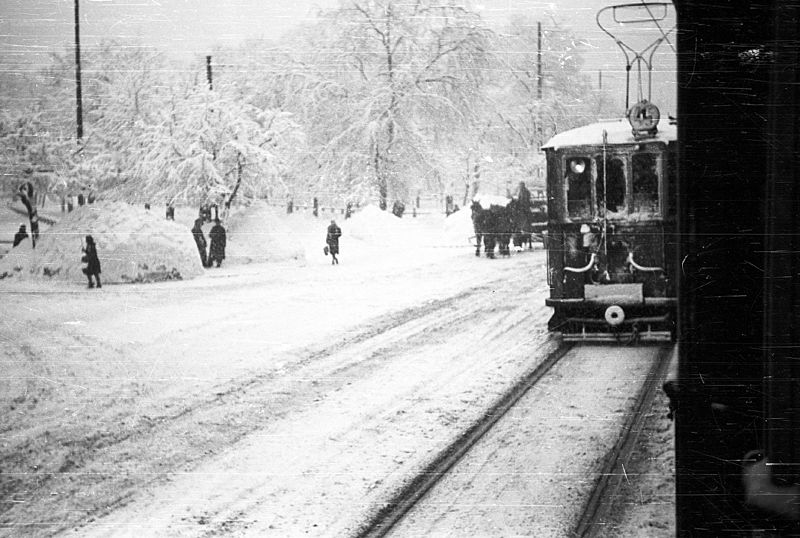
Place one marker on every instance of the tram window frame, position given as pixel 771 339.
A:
pixel 622 205
pixel 653 208
pixel 584 210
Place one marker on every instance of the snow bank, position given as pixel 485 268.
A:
pixel 457 229
pixel 134 245
pixel 372 225
pixel 257 233
pixel 488 200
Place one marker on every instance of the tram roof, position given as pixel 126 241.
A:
pixel 619 132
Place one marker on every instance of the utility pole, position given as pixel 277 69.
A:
pixel 208 72
pixel 600 79
pixel 539 61
pixel 78 97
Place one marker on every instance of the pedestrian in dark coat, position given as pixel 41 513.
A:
pixel 216 252
pixel 20 236
pixel 524 197
pixel 200 240
pixel 92 262
pixel 332 239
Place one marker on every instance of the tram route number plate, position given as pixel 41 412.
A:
pixel 620 294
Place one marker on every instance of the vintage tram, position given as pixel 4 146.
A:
pixel 610 234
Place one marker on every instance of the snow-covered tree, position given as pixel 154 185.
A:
pixel 205 147
pixel 389 76
pixel 528 109
pixel 37 128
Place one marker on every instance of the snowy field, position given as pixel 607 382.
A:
pixel 277 395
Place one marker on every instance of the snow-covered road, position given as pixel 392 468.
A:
pixel 313 388
pixel 532 474
pixel 348 423
pixel 269 399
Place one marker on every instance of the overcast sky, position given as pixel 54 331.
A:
pixel 31 29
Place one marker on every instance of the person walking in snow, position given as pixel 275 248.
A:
pixel 216 252
pixel 92 262
pixel 200 240
pixel 20 236
pixel 332 239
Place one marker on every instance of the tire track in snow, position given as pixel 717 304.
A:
pixel 223 512
pixel 218 413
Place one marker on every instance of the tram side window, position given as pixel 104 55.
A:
pixel 611 194
pixel 645 184
pixel 579 188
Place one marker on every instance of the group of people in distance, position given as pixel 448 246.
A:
pixel 214 255
pixel 218 237
pixel 92 263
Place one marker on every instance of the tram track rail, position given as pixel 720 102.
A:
pixel 612 471
pixel 385 519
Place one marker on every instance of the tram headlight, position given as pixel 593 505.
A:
pixel 615 315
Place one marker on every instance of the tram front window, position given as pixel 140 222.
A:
pixel 579 188
pixel 645 184
pixel 611 193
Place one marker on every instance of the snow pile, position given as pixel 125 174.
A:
pixel 257 233
pixel 457 228
pixel 372 225
pixel 488 200
pixel 134 245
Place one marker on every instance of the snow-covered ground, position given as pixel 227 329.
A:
pixel 283 397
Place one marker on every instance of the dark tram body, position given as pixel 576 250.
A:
pixel 610 237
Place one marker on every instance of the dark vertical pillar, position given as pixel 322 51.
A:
pixel 78 96
pixel 723 148
pixel 782 252
pixel 539 60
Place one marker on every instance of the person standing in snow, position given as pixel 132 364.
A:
pixel 200 240
pixel 20 236
pixel 332 239
pixel 524 196
pixel 92 262
pixel 216 252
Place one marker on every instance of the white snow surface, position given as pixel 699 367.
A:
pixel 257 234
pixel 286 398
pixel 373 225
pixel 619 132
pixel 133 245
pixel 138 245
pixel 488 200
pixel 458 228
